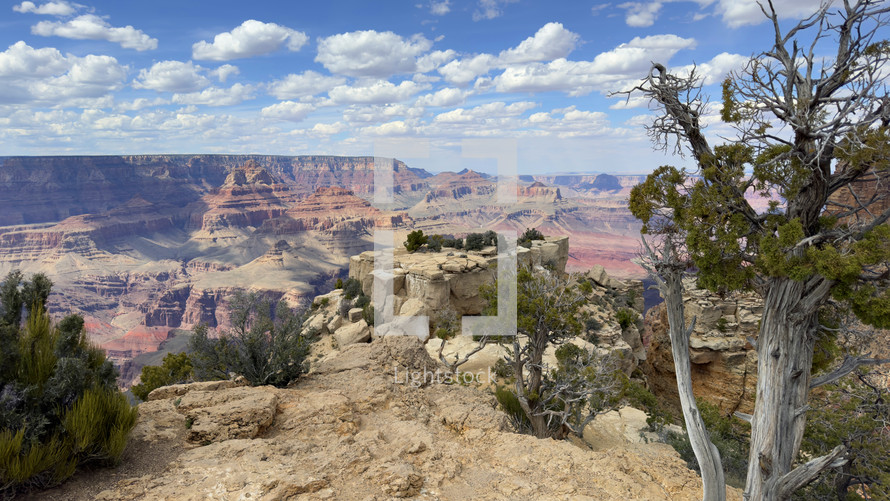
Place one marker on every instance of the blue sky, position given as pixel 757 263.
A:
pixel 292 78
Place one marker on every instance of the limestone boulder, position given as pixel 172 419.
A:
pixel 352 333
pixel 214 416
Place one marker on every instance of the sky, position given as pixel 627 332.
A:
pixel 344 77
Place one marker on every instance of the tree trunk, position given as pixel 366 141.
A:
pixel 707 455
pixel 785 355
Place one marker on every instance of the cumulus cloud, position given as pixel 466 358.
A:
pixel 550 42
pixel 448 96
pixel 291 111
pixel 440 8
pixel 92 27
pixel 715 70
pixel 381 113
pixel 371 53
pixel 498 109
pixel 46 76
pixel 374 92
pixel 641 15
pixel 172 76
pixel 490 9
pixel 224 72
pixel 49 8
pixel 306 84
pixel 215 96
pixel 252 38
pixel 607 71
pixel 736 13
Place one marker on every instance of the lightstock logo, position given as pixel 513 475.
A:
pixel 385 320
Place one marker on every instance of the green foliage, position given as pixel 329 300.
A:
pixel 339 284
pixel 474 242
pixel 636 395
pixel 324 302
pixel 416 240
pixel 530 234
pixel 722 324
pixel 729 434
pixel 626 317
pixel 351 288
pixel 362 302
pixel 435 242
pixel 490 238
pixel 853 412
pixel 368 313
pixel 509 403
pixel 175 368
pixel 59 403
pixel 263 348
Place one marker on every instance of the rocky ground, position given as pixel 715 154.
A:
pixel 349 430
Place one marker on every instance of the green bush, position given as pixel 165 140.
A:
pixel 368 313
pixel 475 242
pixel 59 402
pixel 262 347
pixel 339 284
pixel 435 243
pixel 175 368
pixel 416 240
pixel 626 317
pixel 351 288
pixel 361 302
pixel 490 238
pixel 530 234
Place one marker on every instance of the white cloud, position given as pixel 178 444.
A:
pixel 448 96
pixel 570 122
pixel 434 60
pixel 440 8
pixel 551 41
pixel 395 128
pixel 49 8
pixel 374 92
pixel 172 76
pixel 215 96
pixel 224 72
pixel 381 113
pixel 328 129
pixel 139 104
pixel 308 83
pixel 92 27
pixel 371 53
pixel 485 111
pixel 736 13
pixel 490 9
pixel 717 69
pixel 641 15
pixel 252 38
pixel 608 70
pixel 45 76
pixel 288 110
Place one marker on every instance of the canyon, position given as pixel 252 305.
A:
pixel 142 245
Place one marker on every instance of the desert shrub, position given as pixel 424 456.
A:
pixel 530 234
pixel 446 323
pixel 262 347
pixel 722 324
pixel 345 306
pixel 59 402
pixel 511 406
pixel 502 369
pixel 351 288
pixel 175 368
pixel 416 240
pixel 636 395
pixel 325 301
pixel 489 238
pixel 626 317
pixel 362 301
pixel 435 242
pixel 339 284
pixel 474 241
pixel 368 313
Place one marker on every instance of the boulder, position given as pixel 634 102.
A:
pixel 243 412
pixel 357 332
pixel 355 314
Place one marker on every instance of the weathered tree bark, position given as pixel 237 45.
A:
pixel 784 359
pixel 667 272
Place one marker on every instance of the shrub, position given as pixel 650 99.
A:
pixel 362 301
pixel 339 284
pixel 626 317
pixel 435 242
pixel 351 288
pixel 490 238
pixel 722 324
pixel 59 403
pixel 368 313
pixel 474 242
pixel 530 234
pixel 416 240
pixel 175 368
pixel 262 347
pixel 345 306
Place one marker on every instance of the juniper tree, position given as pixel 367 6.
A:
pixel 809 129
